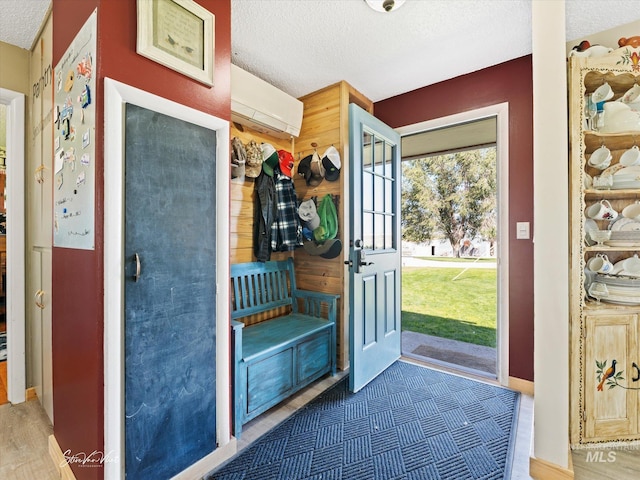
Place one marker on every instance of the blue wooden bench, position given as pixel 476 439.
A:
pixel 277 357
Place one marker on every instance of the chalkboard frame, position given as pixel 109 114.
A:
pixel 117 94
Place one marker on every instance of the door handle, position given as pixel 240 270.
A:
pixel 136 258
pixel 39 174
pixel 38 299
pixel 361 260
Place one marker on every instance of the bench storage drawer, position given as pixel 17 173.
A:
pixel 313 357
pixel 269 380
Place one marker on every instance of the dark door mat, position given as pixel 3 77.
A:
pixel 457 358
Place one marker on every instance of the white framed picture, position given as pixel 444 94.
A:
pixel 178 34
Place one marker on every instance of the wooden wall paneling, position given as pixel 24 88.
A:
pixel 326 123
pixel 320 129
pixel 242 198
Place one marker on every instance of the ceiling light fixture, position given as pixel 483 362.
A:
pixel 385 5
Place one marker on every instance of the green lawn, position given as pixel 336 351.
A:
pixel 464 309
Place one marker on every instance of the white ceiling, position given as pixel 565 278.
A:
pixel 303 45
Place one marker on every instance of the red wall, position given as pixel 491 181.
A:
pixel 508 82
pixel 78 304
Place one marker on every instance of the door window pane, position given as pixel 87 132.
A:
pixel 378 194
pixel 379 232
pixel 367 230
pixel 379 157
pixel 388 196
pixel 388 231
pixel 367 152
pixel 367 191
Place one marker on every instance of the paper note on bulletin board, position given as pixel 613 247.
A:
pixel 74 142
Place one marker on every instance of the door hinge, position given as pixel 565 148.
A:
pixel 584 415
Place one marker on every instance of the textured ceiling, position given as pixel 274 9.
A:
pixel 20 21
pixel 303 45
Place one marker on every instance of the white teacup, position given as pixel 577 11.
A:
pixel 632 95
pixel 602 211
pixel 600 264
pixel 600 158
pixel 603 93
pixel 630 157
pixel 632 210
pixel 598 51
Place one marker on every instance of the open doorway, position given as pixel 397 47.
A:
pixel 455 284
pixel 13 267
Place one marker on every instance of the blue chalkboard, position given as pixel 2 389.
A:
pixel 170 218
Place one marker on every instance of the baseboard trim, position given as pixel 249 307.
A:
pixel 31 394
pixel 208 463
pixel 543 470
pixel 522 386
pixel 60 462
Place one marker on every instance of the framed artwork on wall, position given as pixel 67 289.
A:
pixel 178 34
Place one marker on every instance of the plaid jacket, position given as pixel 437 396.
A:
pixel 286 230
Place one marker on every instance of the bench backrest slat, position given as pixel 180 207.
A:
pixel 259 287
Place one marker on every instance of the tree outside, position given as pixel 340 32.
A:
pixel 451 196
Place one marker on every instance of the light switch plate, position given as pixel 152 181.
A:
pixel 522 230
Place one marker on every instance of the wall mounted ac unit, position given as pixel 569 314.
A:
pixel 263 107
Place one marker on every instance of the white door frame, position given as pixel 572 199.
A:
pixel 116 96
pixel 501 112
pixel 16 358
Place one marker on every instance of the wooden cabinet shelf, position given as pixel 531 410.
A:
pixel 622 194
pixel 602 409
pixel 606 248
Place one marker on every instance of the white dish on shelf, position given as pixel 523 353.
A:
pixel 612 169
pixel 617 268
pixel 627 185
pixel 626 236
pixel 633 171
pixel 621 300
pixel 632 226
pixel 621 222
pixel 622 243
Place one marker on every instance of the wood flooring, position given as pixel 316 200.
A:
pixel 24 449
pixel 4 386
pixel 3 370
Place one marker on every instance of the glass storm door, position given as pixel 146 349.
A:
pixel 375 254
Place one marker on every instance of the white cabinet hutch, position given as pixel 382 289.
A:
pixel 602 332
